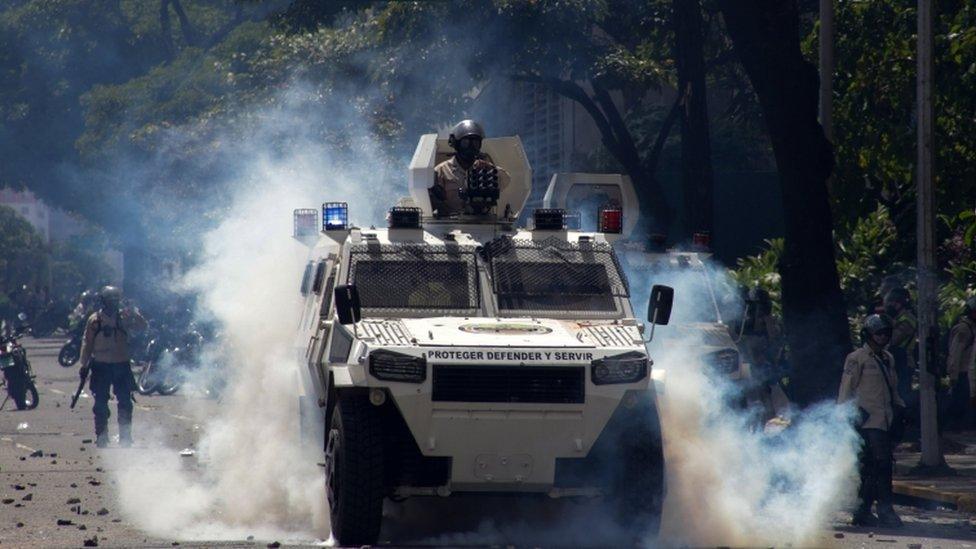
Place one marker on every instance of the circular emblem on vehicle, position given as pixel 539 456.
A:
pixel 505 328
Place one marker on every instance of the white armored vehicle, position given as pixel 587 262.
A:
pixel 462 355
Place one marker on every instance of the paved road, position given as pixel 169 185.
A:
pixel 66 496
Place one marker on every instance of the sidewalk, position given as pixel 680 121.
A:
pixel 958 490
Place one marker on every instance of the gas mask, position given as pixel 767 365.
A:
pixel 468 148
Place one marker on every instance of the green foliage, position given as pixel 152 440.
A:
pixel 958 253
pixel 22 251
pixel 875 105
pixel 864 258
pixel 762 271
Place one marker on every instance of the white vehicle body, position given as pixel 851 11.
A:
pixel 508 389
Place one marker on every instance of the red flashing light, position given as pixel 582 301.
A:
pixel 701 241
pixel 611 220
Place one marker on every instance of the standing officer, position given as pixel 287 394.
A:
pixel 869 381
pixel 106 345
pixel 960 365
pixel 904 333
pixel 451 176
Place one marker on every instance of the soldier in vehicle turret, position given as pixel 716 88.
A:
pixel 447 195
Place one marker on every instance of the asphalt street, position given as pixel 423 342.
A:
pixel 58 489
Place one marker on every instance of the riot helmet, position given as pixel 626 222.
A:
pixel 896 300
pixel 760 299
pixel 876 325
pixel 111 297
pixel 466 139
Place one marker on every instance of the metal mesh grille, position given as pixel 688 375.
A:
pixel 553 274
pixel 414 276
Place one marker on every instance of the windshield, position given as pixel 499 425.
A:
pixel 427 277
pixel 554 275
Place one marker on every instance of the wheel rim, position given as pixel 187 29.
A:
pixel 331 472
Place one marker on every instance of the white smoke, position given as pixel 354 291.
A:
pixel 729 481
pixel 255 477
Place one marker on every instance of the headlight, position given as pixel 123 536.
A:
pixel 625 368
pixel 390 366
pixel 725 361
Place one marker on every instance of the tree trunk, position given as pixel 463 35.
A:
pixel 697 182
pixel 766 36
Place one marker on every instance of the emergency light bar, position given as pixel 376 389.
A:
pixel 610 220
pixel 305 224
pixel 549 219
pixel 404 217
pixel 335 216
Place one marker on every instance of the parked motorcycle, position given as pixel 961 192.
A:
pixel 17 372
pixel 71 350
pixel 169 362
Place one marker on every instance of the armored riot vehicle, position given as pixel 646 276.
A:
pixel 465 355
pixel 701 321
pixel 707 326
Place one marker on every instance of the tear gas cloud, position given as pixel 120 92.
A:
pixel 257 478
pixel 729 481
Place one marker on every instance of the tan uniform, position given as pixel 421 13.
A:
pixel 864 382
pixel 962 352
pixel 104 341
pixel 451 177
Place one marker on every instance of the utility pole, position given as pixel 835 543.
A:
pixel 931 451
pixel 827 68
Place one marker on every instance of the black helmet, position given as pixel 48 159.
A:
pixel 898 295
pixel 466 139
pixel 875 324
pixel 465 128
pixel 758 295
pixel 111 296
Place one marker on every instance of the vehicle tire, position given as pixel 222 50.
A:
pixel 147 382
pixel 169 384
pixel 31 398
pixel 69 354
pixel 354 472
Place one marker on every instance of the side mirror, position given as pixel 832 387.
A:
pixel 347 304
pixel 659 308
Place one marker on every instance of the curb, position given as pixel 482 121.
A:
pixel 962 500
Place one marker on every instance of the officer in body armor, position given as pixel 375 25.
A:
pixel 105 351
pixel 448 194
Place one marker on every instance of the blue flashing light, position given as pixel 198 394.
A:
pixel 335 216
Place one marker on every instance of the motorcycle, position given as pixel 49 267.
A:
pixel 168 363
pixel 71 350
pixel 17 372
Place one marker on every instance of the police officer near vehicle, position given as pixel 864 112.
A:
pixel 869 380
pixel 897 304
pixel 961 367
pixel 760 343
pixel 451 176
pixel 105 351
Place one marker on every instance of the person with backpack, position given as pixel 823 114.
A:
pixel 869 380
pixel 960 365
pixel 105 352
